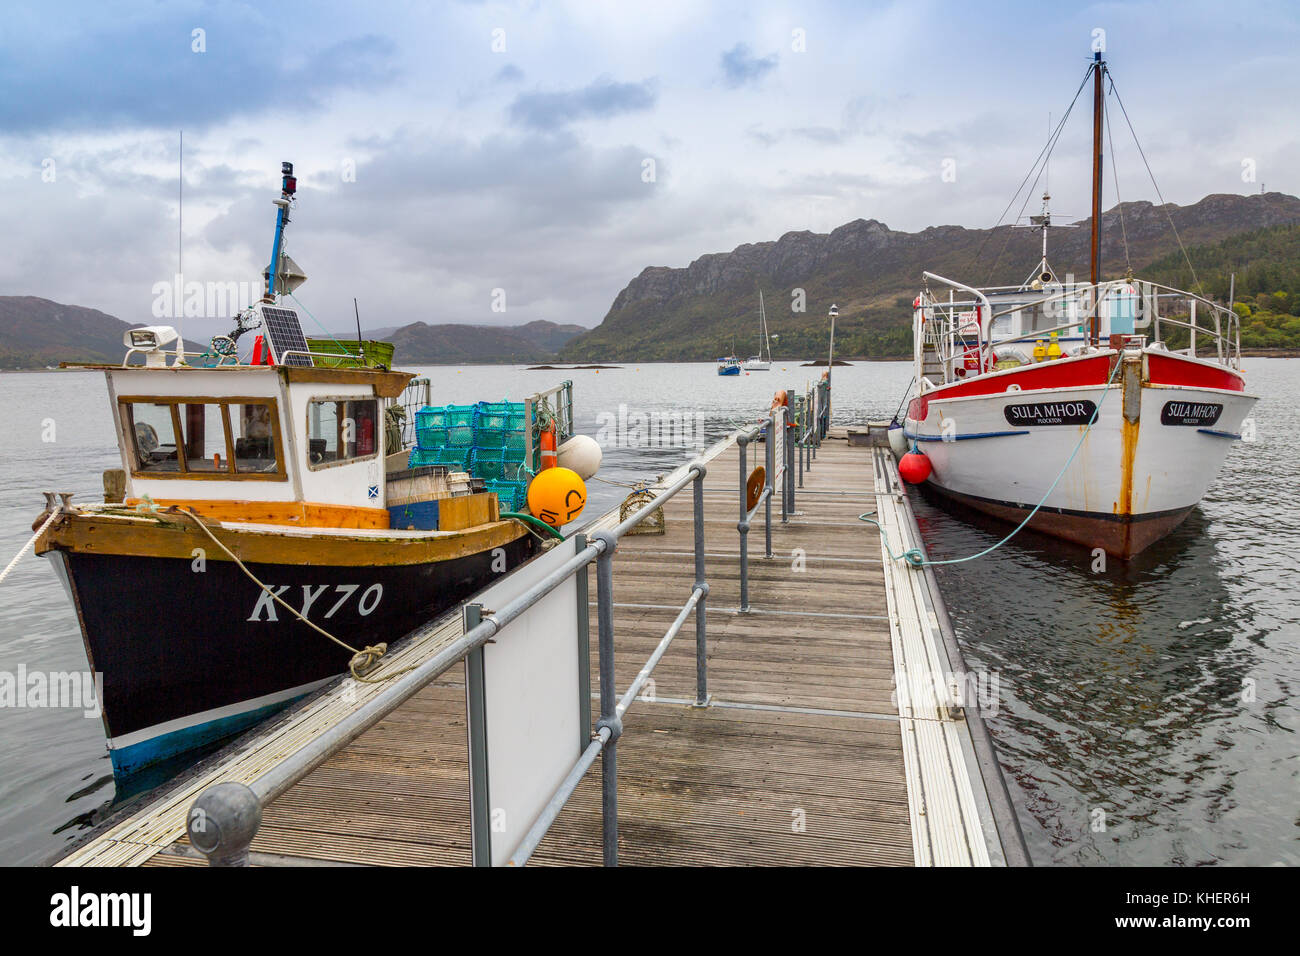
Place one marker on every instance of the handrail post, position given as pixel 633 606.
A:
pixel 799 445
pixel 784 432
pixel 786 429
pixel 702 585
pixel 742 526
pixel 608 697
pixel 769 453
pixel 222 823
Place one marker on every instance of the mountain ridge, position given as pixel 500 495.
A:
pixel 871 273
pixel 36 332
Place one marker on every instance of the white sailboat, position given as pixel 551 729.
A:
pixel 757 363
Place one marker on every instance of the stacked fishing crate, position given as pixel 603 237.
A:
pixel 489 440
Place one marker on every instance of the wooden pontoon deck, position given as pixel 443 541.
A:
pixel 805 757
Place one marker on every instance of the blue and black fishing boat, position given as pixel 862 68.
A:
pixel 246 552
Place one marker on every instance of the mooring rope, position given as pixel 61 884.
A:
pixel 916 559
pixel 30 542
pixel 361 659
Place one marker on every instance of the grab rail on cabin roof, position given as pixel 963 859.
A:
pixel 941 322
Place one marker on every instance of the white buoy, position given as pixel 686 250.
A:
pixel 897 442
pixel 582 454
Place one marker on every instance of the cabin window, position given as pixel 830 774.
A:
pixel 153 437
pixel 203 436
pixel 341 430
pixel 253 430
pixel 232 438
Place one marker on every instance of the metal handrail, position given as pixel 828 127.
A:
pixel 224 818
pixel 943 325
pixel 771 472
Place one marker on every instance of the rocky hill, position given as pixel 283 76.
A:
pixel 872 273
pixel 421 343
pixel 36 332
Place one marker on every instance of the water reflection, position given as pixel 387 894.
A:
pixel 1117 685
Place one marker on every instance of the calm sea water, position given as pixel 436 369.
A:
pixel 1154 698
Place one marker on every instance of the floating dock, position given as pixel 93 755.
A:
pixel 839 731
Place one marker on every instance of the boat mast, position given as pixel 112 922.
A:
pixel 288 187
pixel 1098 68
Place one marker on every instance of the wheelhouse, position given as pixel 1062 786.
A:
pixel 305 439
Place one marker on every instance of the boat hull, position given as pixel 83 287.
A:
pixel 1149 457
pixel 188 657
pixel 1120 535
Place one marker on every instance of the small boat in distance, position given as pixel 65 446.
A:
pixel 756 363
pixel 729 365
pixel 1099 412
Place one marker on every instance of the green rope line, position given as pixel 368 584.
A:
pixel 916 559
pixel 528 520
pixel 328 333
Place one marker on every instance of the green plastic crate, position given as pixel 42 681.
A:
pixel 500 425
pixel 436 436
pixel 377 353
pixel 445 416
pixel 452 457
pixel 512 495
pixel 497 464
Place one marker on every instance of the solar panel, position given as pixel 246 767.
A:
pixel 285 334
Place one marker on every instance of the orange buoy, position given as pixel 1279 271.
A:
pixel 557 496
pixel 914 468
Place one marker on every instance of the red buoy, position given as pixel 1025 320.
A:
pixel 914 468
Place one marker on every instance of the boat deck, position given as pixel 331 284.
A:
pixel 806 755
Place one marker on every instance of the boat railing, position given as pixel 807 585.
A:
pixel 418 394
pixel 951 331
pixel 1224 338
pixel 557 402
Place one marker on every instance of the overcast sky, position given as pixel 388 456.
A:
pixel 508 145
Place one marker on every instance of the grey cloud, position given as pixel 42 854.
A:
pixel 762 136
pixel 741 67
pixel 820 134
pixel 600 99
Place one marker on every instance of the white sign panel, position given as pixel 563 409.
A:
pixel 532 681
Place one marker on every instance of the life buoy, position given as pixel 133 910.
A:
pixel 550 457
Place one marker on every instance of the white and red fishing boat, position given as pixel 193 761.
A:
pixel 1102 411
